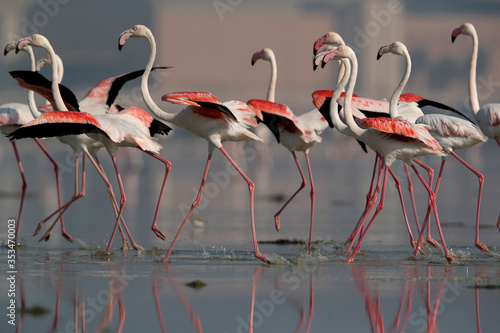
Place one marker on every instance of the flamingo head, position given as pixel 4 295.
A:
pixel 329 53
pixel 330 38
pixel 397 48
pixel 11 46
pixel 35 40
pixel 138 30
pixel 264 54
pixel 465 29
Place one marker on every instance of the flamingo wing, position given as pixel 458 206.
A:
pixel 276 116
pixel 206 103
pixel 106 91
pixel 155 126
pixel 42 86
pixel 435 107
pixel 58 123
pixel 403 130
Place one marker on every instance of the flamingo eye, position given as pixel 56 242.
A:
pixel 339 48
pixel 393 44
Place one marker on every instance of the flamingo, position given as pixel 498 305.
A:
pixel 295 133
pixel 394 138
pixel 99 99
pixel 487 116
pixel 319 98
pixel 205 116
pixel 79 143
pixel 452 133
pixel 12 116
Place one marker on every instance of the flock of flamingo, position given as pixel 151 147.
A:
pixel 405 128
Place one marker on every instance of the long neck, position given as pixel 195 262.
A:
pixel 55 78
pixel 393 104
pixel 348 97
pixel 474 101
pixel 334 105
pixel 272 82
pixel 31 93
pixel 155 109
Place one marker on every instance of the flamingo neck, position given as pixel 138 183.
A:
pixel 334 105
pixel 155 109
pixel 348 97
pixel 272 82
pixel 31 94
pixel 60 106
pixel 474 101
pixel 393 104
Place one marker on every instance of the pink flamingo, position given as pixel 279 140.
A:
pixel 14 115
pixel 319 98
pixel 206 117
pixel 82 143
pixel 452 133
pixel 295 133
pixel 487 116
pixel 99 99
pixel 393 137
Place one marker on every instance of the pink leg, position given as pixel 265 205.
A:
pixel 410 189
pixel 302 185
pixel 377 211
pixel 168 165
pixel 370 199
pixel 398 187
pixel 251 187
pixel 23 188
pixel 56 171
pixel 478 243
pixel 432 197
pixel 370 203
pixel 379 208
pixel 63 208
pixel 195 204
pixel 125 245
pixel 122 202
pixel 312 200
pixel 429 170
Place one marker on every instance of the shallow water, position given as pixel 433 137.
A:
pixel 58 283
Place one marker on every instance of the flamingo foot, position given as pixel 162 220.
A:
pixel 137 247
pixel 158 233
pixel 482 247
pixel 277 222
pixel 67 236
pixel 350 260
pixel 450 259
pixel 45 237
pixel 262 257
pixel 38 228
pixel 433 242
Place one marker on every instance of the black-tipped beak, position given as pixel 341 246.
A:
pixel 453 39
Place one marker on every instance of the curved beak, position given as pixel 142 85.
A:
pixel 383 50
pixel 455 34
pixel 256 56
pixel 318 44
pixel 123 38
pixel 328 55
pixel 22 43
